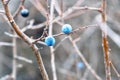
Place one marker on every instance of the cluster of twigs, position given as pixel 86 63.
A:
pixel 17 32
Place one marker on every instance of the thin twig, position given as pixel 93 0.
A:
pixel 51 16
pixel 6 44
pixel 40 38
pixel 32 40
pixel 60 43
pixel 31 22
pixel 84 60
pixel 14 70
pixel 68 12
pixel 76 30
pixel 53 63
pixel 27 40
pixel 87 8
pixel 52 6
pixel 19 8
pixel 10 35
pixel 24 59
pixel 116 72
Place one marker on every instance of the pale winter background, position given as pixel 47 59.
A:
pixel 66 58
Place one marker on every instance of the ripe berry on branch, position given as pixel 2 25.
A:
pixel 24 12
pixel 67 28
pixel 50 41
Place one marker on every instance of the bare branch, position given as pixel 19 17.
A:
pixel 105 40
pixel 24 59
pixel 14 65
pixel 87 8
pixel 52 6
pixel 27 40
pixel 6 44
pixel 114 69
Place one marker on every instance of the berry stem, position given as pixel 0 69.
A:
pixel 19 8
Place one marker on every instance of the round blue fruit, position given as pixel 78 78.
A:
pixel 50 41
pixel 67 28
pixel 25 12
pixel 80 65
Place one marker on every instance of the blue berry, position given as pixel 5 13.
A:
pixel 25 12
pixel 50 41
pixel 80 65
pixel 67 28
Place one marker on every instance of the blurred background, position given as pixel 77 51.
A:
pixel 69 65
